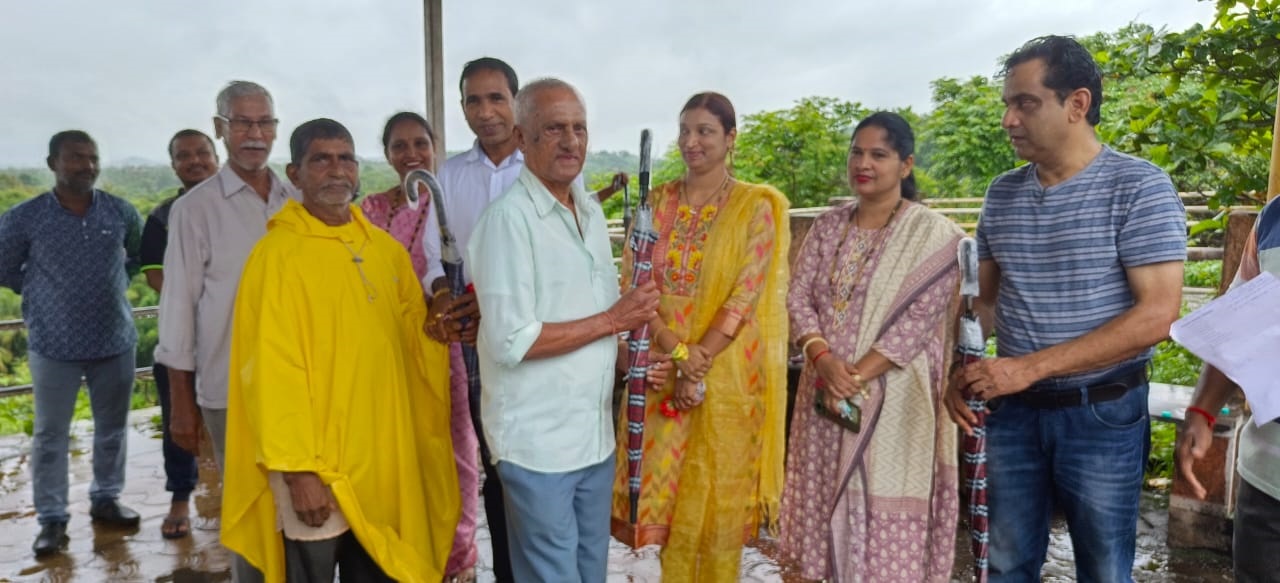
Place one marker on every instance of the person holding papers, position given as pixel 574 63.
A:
pixel 1256 541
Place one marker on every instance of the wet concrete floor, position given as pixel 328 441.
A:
pixel 104 554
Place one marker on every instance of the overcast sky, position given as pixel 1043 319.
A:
pixel 132 73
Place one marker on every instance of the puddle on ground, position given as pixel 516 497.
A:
pixel 102 554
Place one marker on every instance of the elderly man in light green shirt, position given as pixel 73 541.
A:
pixel 548 289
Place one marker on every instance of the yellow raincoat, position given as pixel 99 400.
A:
pixel 331 373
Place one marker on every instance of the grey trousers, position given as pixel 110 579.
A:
pixel 1255 549
pixel 215 420
pixel 314 561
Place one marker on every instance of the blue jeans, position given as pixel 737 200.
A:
pixel 57 382
pixel 558 523
pixel 1088 462
pixel 180 470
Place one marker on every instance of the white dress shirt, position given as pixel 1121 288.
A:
pixel 471 181
pixel 212 229
pixel 531 266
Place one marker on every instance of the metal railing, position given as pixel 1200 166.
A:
pixel 963 207
pixel 141 372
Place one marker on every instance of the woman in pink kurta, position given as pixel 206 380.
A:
pixel 409 143
pixel 871 300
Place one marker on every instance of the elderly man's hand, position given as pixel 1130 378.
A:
pixel 185 428
pixel 996 377
pixel 635 307
pixel 312 500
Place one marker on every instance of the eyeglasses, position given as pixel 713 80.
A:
pixel 242 126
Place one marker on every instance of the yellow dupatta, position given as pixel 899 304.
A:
pixel 726 247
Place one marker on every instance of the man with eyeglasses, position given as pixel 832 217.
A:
pixel 212 229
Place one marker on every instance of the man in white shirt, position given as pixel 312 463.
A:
pixel 471 181
pixel 212 228
pixel 546 282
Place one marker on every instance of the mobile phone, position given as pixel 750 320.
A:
pixel 851 421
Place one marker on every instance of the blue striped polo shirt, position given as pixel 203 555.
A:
pixel 1063 250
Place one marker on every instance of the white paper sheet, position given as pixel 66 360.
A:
pixel 1239 333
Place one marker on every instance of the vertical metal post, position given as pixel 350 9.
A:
pixel 433 60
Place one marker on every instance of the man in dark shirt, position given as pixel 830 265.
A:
pixel 194 159
pixel 69 252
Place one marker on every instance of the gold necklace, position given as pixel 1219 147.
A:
pixel 715 194
pixel 866 249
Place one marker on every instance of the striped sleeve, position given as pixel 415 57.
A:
pixel 1155 229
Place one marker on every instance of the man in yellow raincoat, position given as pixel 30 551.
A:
pixel 338 448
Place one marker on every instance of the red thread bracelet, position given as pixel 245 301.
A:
pixel 1207 415
pixel 820 354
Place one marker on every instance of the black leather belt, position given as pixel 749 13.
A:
pixel 1108 390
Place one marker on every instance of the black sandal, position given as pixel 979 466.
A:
pixel 175 527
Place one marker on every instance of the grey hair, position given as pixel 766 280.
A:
pixel 523 106
pixel 237 89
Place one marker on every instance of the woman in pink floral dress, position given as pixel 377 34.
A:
pixel 871 305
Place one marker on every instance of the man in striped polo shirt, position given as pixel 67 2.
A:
pixel 1256 542
pixel 1081 256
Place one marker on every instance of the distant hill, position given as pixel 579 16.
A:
pixel 145 185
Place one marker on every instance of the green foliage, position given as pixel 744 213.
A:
pixel 1160 463
pixel 1202 273
pixel 1210 124
pixel 962 147
pixel 376 176
pixel 1172 364
pixel 17 413
pixel 801 150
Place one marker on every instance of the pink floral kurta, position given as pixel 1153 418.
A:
pixel 861 536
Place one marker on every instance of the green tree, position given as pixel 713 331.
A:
pixel 962 147
pixel 800 150
pixel 1210 124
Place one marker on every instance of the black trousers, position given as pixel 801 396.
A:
pixel 180 470
pixel 1256 541
pixel 495 509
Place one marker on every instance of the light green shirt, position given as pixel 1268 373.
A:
pixel 531 266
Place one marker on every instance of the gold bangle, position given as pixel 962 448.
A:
pixel 443 290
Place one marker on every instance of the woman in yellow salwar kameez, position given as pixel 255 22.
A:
pixel 714 431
